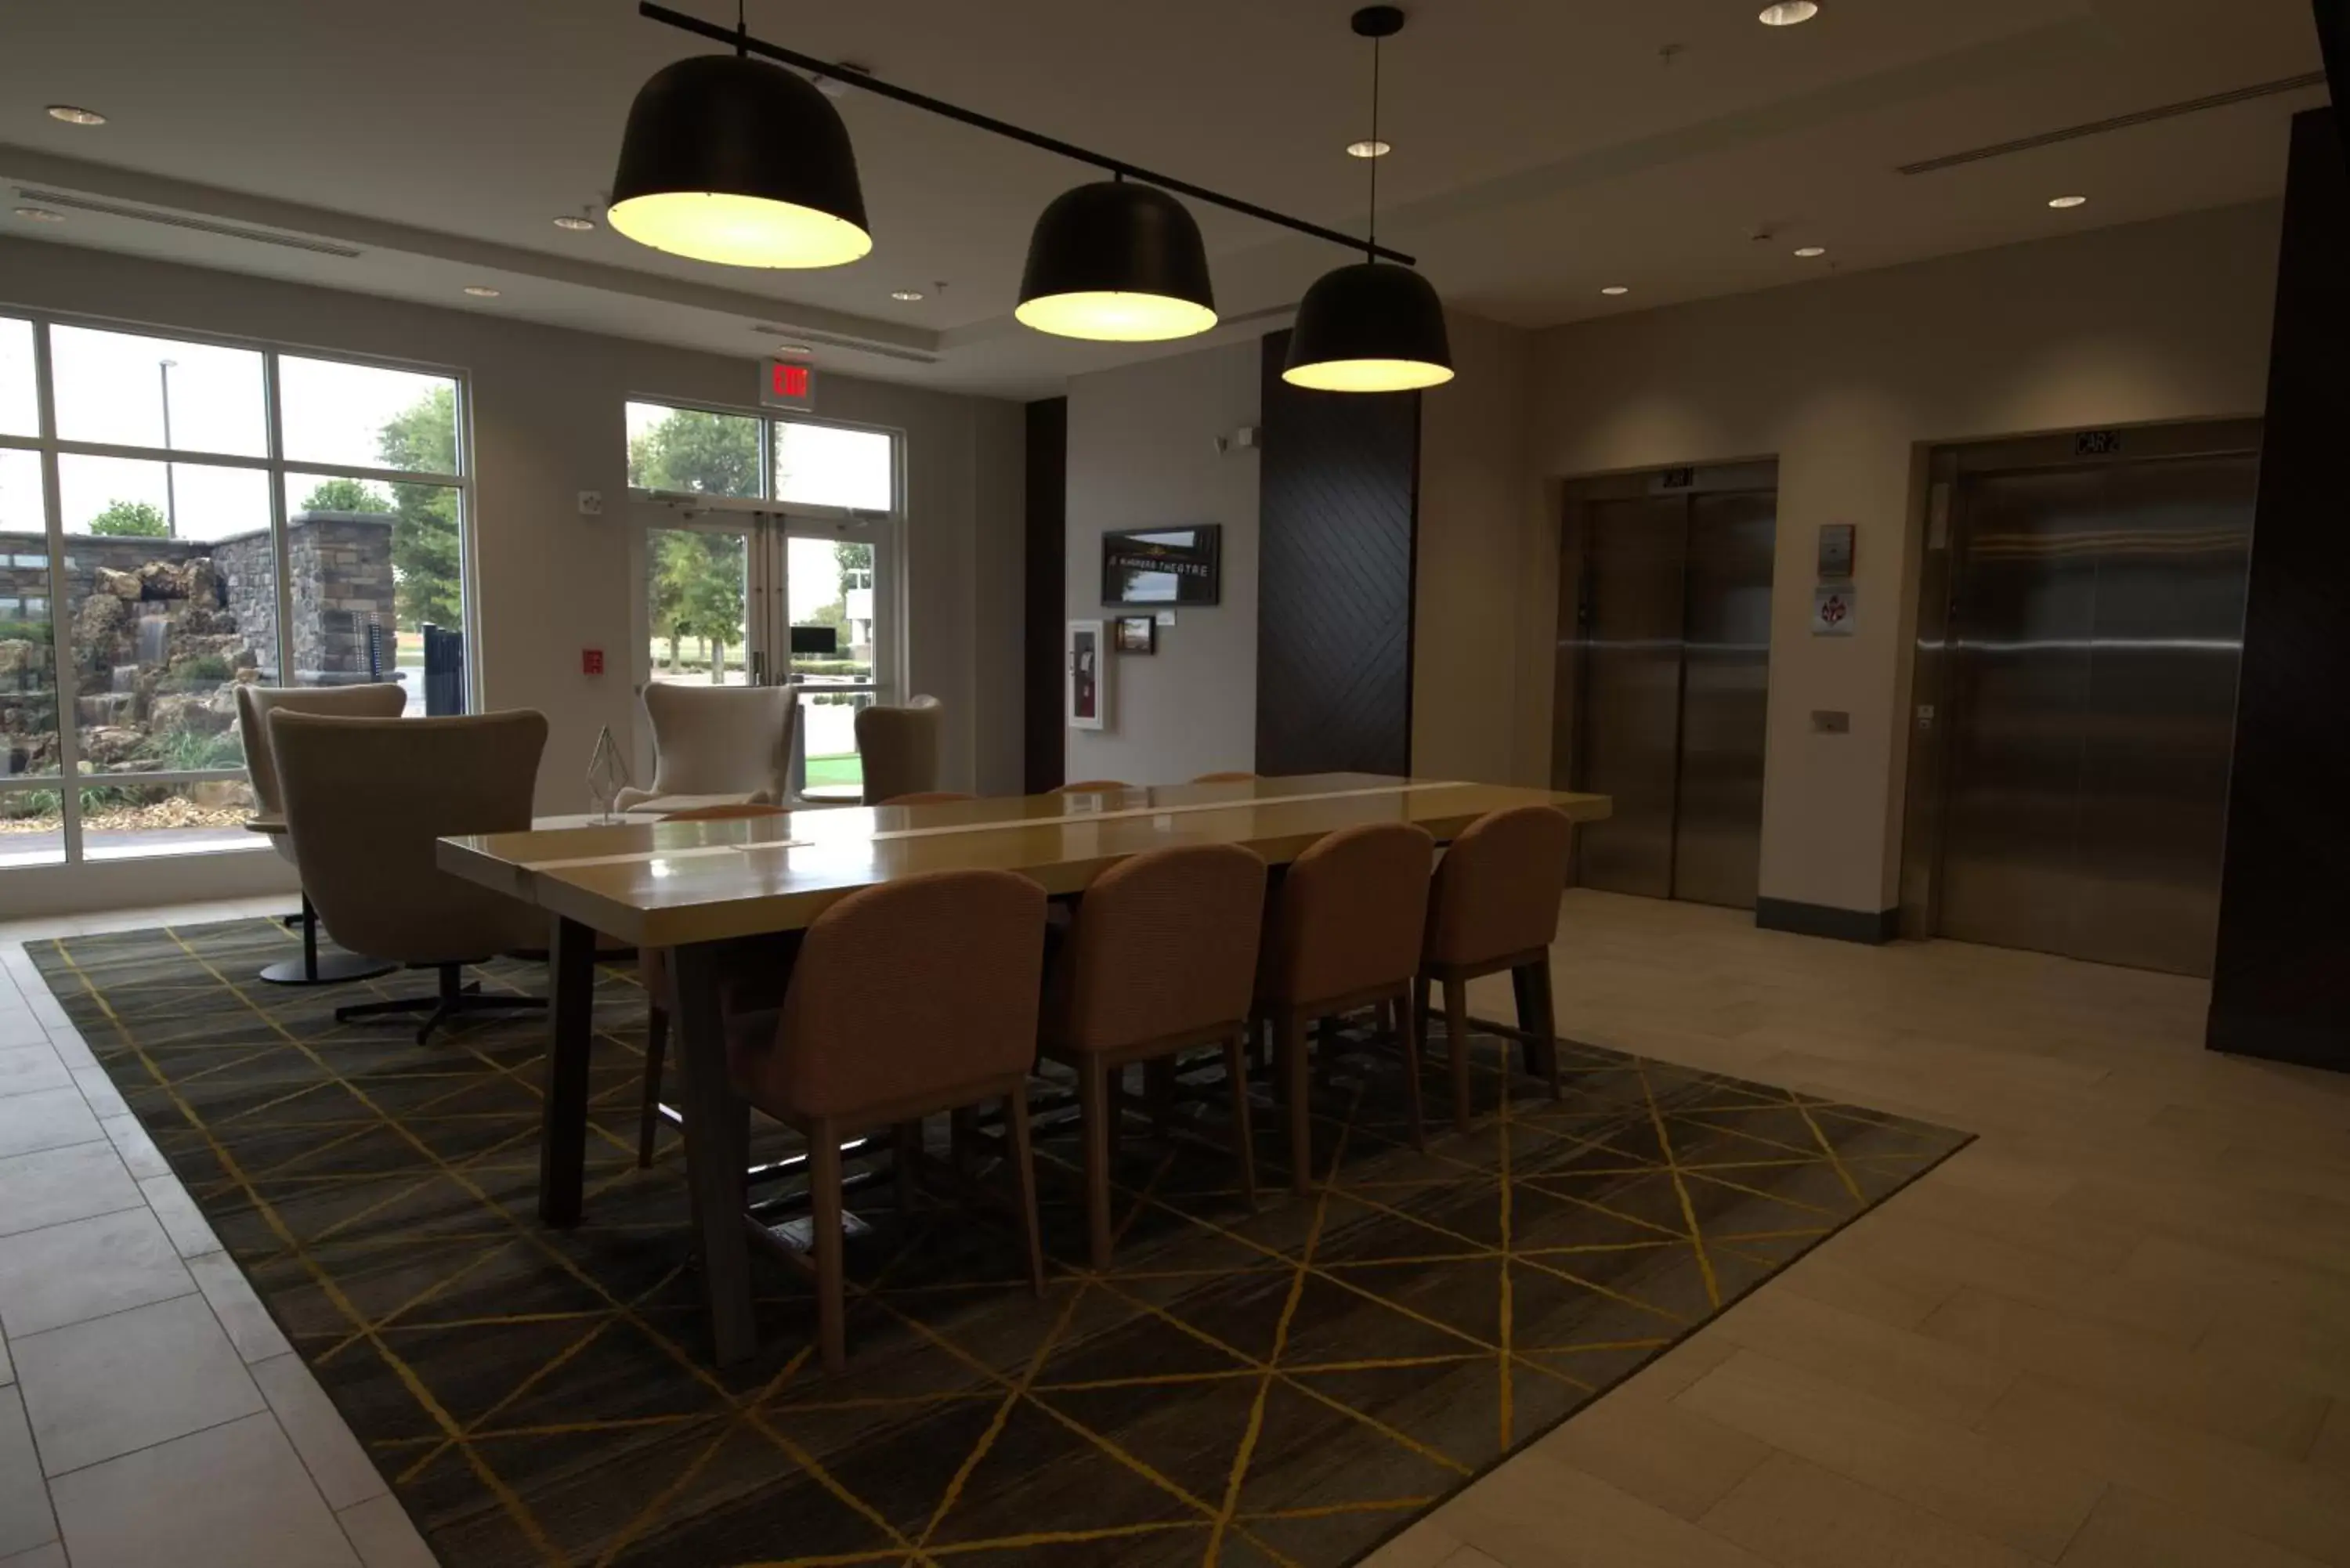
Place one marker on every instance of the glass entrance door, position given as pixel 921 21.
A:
pixel 837 656
pixel 746 597
pixel 767 559
pixel 698 591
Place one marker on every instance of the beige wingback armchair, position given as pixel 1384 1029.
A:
pixel 717 745
pixel 384 700
pixel 899 749
pixel 366 800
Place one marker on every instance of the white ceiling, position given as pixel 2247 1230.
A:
pixel 1544 148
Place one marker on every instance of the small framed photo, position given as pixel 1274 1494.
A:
pixel 1138 634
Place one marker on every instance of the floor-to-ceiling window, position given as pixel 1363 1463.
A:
pixel 768 556
pixel 179 516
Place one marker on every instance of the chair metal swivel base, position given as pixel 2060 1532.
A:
pixel 456 996
pixel 314 968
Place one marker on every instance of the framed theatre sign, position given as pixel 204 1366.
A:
pixel 1145 569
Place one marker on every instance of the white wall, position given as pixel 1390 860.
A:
pixel 1142 454
pixel 1847 381
pixel 547 423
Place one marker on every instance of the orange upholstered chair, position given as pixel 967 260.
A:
pixel 1345 931
pixel 1160 959
pixel 1494 907
pixel 910 997
pixel 1094 786
pixel 1225 778
pixel 930 797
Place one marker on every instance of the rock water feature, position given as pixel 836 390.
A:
pixel 162 632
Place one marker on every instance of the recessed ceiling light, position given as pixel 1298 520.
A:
pixel 1787 13
pixel 40 215
pixel 2067 202
pixel 1615 288
pixel 481 291
pixel 578 225
pixel 1808 252
pixel 905 296
pixel 1369 149
pixel 74 116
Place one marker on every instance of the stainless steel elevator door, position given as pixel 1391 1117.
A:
pixel 1726 673
pixel 1631 691
pixel 2097 622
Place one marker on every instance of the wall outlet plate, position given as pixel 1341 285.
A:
pixel 591 504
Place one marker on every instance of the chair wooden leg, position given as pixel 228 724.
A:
pixel 1456 1042
pixel 1114 1112
pixel 1292 1045
pixel 1094 1112
pixel 656 1049
pixel 905 1155
pixel 1545 1023
pixel 1024 1177
pixel 1262 1038
pixel 1159 1089
pixel 962 1142
pixel 823 1220
pixel 1409 1016
pixel 1236 1055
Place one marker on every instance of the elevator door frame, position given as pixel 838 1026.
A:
pixel 1571 707
pixel 1925 791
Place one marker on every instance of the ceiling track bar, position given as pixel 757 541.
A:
pixel 863 82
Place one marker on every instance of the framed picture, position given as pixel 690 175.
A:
pixel 1088 674
pixel 1138 634
pixel 1163 566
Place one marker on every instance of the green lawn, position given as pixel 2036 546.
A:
pixel 842 770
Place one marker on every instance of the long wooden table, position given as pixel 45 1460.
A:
pixel 690 885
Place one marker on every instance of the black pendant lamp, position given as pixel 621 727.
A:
pixel 1117 262
pixel 727 159
pixel 1368 328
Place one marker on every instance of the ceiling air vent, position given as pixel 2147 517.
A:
pixel 834 340
pixel 182 221
pixel 2118 122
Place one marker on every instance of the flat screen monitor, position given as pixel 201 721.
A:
pixel 1150 567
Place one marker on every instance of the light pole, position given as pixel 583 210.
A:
pixel 171 487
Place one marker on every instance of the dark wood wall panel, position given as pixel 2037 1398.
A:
pixel 1045 592
pixel 1336 517
pixel 2281 985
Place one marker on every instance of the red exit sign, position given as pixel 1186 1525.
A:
pixel 788 384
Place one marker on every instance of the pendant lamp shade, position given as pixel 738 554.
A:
pixel 734 161
pixel 1369 328
pixel 1117 262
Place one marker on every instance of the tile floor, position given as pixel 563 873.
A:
pixel 2116 1331
pixel 2113 1333
pixel 149 1410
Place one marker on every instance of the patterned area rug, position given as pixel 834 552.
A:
pixel 1286 1387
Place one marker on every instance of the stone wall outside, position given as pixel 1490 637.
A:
pixel 163 630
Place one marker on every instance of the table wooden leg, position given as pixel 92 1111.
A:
pixel 563 1129
pixel 717 1146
